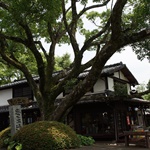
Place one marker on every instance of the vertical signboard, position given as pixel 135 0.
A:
pixel 15 118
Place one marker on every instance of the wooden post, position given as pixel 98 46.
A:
pixel 147 136
pixel 126 140
pixel 116 125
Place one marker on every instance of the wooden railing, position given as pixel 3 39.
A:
pixel 137 137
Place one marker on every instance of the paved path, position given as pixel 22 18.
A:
pixel 111 146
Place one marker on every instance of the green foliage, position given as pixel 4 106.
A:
pixel 23 11
pixel 62 62
pixel 18 146
pixel 86 141
pixel 146 97
pixel 69 84
pixel 5 141
pixel 120 89
pixel 141 88
pixel 4 137
pixel 12 145
pixel 9 73
pixel 46 135
pixel 141 13
pixel 139 20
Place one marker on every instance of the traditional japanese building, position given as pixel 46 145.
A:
pixel 104 112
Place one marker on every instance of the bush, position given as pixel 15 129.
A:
pixel 86 141
pixel 4 137
pixel 46 135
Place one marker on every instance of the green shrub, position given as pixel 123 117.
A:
pixel 46 135
pixel 4 137
pixel 86 141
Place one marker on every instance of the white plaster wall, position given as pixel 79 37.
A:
pixel 123 77
pixel 120 75
pixel 110 84
pixel 99 86
pixel 4 96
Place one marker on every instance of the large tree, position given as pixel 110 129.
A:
pixel 25 23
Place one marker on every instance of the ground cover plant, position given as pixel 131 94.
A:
pixel 86 141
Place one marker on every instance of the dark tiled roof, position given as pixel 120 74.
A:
pixel 107 70
pixel 17 82
pixel 110 69
pixel 103 97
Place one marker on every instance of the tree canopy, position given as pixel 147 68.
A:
pixel 106 26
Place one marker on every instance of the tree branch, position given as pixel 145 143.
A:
pixel 136 37
pixel 51 35
pixel 91 39
pixel 116 19
pixel 13 61
pixel 4 6
pixel 74 17
pixel 72 27
pixel 91 7
pixel 41 46
pixel 87 64
pixel 12 38
pixel 31 45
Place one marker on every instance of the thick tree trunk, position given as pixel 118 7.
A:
pixel 84 86
pixel 47 107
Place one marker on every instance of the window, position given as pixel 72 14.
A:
pixel 97 123
pixel 23 92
